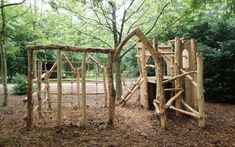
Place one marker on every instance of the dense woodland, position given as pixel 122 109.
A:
pixel 101 23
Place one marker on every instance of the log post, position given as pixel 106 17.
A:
pixel 160 94
pixel 59 88
pixel 84 113
pixel 48 94
pixel 29 121
pixel 193 64
pixel 78 87
pixel 178 60
pixel 112 93
pixel 145 78
pixel 39 93
pixel 200 95
pixel 105 87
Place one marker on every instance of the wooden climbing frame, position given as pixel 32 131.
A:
pixel 186 78
pixel 74 70
pixel 182 68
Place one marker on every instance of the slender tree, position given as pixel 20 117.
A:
pixel 3 50
pixel 114 19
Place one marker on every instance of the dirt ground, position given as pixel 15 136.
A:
pixel 133 126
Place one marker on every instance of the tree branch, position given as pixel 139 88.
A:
pixel 159 15
pixel 17 15
pixel 135 11
pixel 141 16
pixel 12 4
pixel 89 34
pixel 105 17
pixel 171 24
pixel 127 51
pixel 161 12
pixel 123 20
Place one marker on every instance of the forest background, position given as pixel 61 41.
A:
pixel 104 23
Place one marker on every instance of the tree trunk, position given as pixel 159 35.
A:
pixel 117 63
pixel 3 58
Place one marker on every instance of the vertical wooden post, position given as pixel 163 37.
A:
pixel 112 93
pixel 84 113
pixel 29 122
pixel 59 88
pixel 35 67
pixel 48 94
pixel 187 66
pixel 105 87
pixel 193 46
pixel 160 95
pixel 201 101
pixel 78 88
pixel 39 93
pixel 145 78
pixel 178 60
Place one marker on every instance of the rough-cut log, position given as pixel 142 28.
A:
pixel 178 76
pixel 39 89
pixel 68 61
pixel 184 112
pixel 172 89
pixel 59 87
pixel 70 48
pixel 144 77
pixel 167 53
pixel 78 87
pixel 42 76
pixel 52 68
pixel 160 94
pixel 137 82
pixel 157 110
pixel 157 60
pixel 105 79
pixel 29 121
pixel 172 66
pixel 193 64
pixel 69 93
pixel 48 94
pixel 174 98
pixel 200 95
pixel 112 92
pixel 150 65
pixel 189 107
pixel 84 113
pixel 129 94
pixel 123 42
pixel 178 61
pixel 189 77
pixel 97 62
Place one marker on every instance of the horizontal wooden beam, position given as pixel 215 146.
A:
pixel 178 76
pixel 75 93
pixel 70 48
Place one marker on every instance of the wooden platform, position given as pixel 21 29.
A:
pixel 151 79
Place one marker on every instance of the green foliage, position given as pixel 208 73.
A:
pixel 217 43
pixel 20 87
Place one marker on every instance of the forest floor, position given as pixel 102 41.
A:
pixel 133 126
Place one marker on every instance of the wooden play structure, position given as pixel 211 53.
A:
pixel 181 69
pixel 176 63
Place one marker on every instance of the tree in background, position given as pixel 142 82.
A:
pixel 115 18
pixel 3 50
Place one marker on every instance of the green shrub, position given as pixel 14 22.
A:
pixel 20 87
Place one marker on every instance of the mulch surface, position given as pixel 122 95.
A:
pixel 133 127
